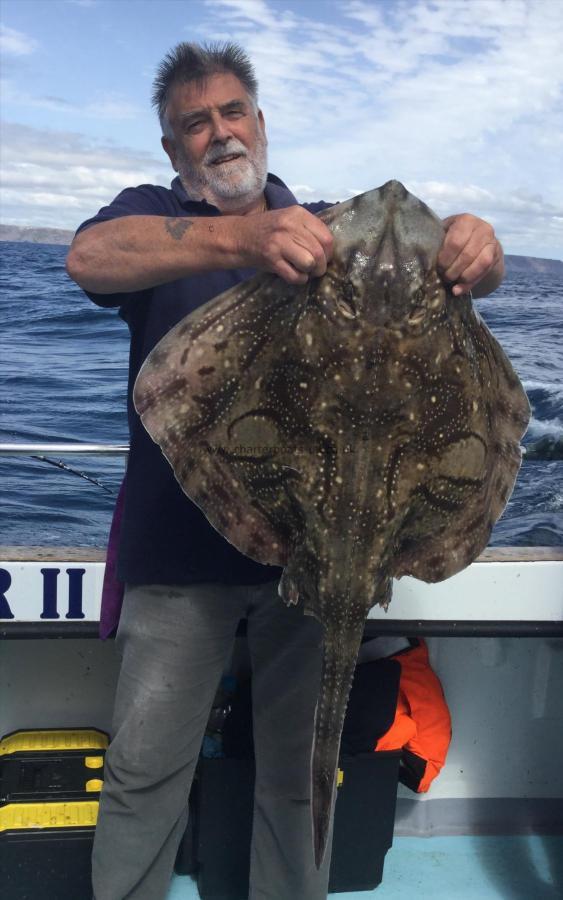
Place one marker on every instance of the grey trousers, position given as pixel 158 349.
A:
pixel 175 643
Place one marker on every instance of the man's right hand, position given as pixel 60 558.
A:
pixel 291 242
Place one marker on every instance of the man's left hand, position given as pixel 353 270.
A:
pixel 471 257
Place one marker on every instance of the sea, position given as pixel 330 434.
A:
pixel 63 378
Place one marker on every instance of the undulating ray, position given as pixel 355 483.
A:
pixel 361 427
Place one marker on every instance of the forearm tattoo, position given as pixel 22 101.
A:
pixel 177 228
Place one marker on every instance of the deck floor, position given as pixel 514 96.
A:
pixel 465 868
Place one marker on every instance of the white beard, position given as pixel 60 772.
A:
pixel 227 185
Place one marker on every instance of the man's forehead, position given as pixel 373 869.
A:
pixel 215 91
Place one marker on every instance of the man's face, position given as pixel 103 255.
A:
pixel 219 142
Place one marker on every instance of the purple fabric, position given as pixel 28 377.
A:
pixel 112 590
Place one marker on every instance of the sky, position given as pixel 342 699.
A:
pixel 461 100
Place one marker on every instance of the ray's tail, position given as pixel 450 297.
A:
pixel 341 645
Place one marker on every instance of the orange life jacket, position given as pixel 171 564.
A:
pixel 422 725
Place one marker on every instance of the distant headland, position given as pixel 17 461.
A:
pixel 533 264
pixel 35 235
pixel 60 236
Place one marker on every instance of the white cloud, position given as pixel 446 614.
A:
pixel 16 43
pixel 518 217
pixel 106 106
pixel 440 194
pixel 58 179
pixel 256 13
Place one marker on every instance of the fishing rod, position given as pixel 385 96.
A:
pixel 31 450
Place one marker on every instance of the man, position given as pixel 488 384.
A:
pixel 158 254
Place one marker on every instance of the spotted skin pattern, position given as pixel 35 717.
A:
pixel 360 427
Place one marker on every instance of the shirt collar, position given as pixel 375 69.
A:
pixel 278 196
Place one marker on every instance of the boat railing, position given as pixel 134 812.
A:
pixel 30 449
pixel 10 449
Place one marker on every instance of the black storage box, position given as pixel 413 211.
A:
pixel 50 782
pixel 222 814
pixel 45 850
pixel 364 820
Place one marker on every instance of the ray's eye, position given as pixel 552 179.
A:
pixel 418 309
pixel 419 298
pixel 345 301
pixel 345 308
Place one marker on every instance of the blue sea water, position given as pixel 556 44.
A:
pixel 63 377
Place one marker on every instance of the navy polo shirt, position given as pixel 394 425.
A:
pixel 165 538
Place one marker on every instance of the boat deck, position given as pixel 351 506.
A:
pixel 465 868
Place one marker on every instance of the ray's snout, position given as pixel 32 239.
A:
pixel 391 264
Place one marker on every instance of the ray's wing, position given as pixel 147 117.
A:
pixel 471 477
pixel 220 395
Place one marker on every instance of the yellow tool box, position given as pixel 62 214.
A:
pixel 50 781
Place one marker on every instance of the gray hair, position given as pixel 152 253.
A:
pixel 187 63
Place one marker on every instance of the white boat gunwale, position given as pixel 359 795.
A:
pixel 417 608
